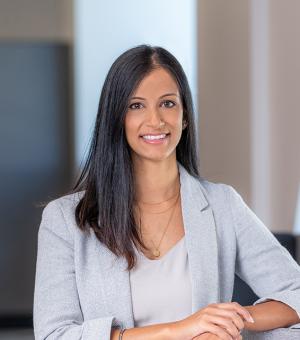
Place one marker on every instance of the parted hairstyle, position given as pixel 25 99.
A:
pixel 107 179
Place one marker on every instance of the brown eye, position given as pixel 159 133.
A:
pixel 168 103
pixel 135 106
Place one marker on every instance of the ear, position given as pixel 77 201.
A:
pixel 184 124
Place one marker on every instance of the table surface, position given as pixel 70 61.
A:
pixel 291 333
pixel 276 334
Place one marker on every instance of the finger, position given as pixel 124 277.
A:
pixel 238 308
pixel 238 338
pixel 218 331
pixel 224 323
pixel 246 314
pixel 230 314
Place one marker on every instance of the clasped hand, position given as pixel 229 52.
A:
pixel 216 321
pixel 210 336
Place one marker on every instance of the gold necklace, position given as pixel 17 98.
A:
pixel 155 203
pixel 160 212
pixel 156 252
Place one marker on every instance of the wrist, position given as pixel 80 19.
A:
pixel 177 331
pixel 248 325
pixel 162 331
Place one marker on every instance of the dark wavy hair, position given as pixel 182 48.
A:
pixel 107 176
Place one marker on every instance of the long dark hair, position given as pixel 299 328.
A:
pixel 107 176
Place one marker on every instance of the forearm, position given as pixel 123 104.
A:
pixel 153 332
pixel 270 315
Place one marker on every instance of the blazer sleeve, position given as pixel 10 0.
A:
pixel 56 311
pixel 262 262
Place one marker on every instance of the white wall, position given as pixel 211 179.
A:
pixel 105 29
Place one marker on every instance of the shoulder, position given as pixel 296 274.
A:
pixel 207 191
pixel 226 200
pixel 65 204
pixel 59 215
pixel 228 206
pixel 218 192
pixel 214 188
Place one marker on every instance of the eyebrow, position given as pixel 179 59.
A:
pixel 164 95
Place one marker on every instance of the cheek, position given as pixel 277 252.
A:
pixel 176 120
pixel 131 126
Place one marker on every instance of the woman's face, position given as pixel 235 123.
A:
pixel 155 101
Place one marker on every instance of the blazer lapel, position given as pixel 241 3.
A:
pixel 201 242
pixel 116 285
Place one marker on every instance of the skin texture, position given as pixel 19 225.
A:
pixel 267 315
pixel 145 115
pixel 223 320
pixel 209 336
pixel 271 315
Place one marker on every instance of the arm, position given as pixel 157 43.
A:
pixel 153 332
pixel 271 315
pixel 267 267
pixel 267 315
pixel 57 312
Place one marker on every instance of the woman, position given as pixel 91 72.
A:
pixel 144 248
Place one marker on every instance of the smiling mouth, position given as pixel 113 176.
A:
pixel 153 137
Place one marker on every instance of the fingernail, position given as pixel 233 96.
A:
pixel 251 319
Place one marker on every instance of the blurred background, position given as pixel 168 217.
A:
pixel 242 61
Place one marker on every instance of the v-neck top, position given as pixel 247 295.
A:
pixel 161 289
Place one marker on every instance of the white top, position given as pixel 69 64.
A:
pixel 161 289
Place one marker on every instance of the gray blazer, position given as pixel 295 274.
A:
pixel 82 289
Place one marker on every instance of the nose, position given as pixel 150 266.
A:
pixel 154 118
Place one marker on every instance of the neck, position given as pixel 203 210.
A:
pixel 155 181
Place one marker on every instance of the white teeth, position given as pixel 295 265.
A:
pixel 154 137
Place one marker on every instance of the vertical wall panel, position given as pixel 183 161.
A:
pixel 224 89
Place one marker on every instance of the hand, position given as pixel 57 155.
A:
pixel 210 336
pixel 224 320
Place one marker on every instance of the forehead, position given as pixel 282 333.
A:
pixel 157 82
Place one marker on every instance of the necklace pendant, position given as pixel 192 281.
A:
pixel 156 253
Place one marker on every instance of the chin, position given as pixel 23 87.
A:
pixel 152 157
